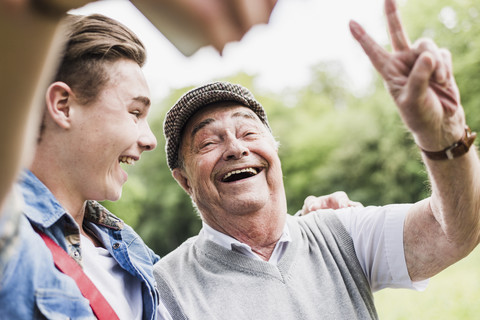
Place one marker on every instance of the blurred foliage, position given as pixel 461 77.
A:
pixel 330 138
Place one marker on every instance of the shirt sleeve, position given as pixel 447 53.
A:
pixel 377 234
pixel 10 226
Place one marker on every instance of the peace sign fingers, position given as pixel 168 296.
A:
pixel 374 51
pixel 398 35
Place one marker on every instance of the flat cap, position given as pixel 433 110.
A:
pixel 196 99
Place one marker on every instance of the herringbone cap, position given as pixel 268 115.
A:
pixel 195 99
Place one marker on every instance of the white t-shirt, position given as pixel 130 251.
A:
pixel 122 290
pixel 377 234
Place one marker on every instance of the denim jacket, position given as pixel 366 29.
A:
pixel 30 285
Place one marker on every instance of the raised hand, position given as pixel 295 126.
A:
pixel 420 80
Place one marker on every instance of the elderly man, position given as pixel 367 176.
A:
pixel 252 260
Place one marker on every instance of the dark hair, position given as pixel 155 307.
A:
pixel 91 41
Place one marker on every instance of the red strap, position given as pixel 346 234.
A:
pixel 100 306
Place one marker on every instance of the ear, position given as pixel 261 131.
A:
pixel 182 179
pixel 58 100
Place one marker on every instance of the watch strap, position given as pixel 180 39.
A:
pixel 456 150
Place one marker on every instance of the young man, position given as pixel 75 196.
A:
pixel 95 121
pixel 252 260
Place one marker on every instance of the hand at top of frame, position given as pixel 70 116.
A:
pixel 190 24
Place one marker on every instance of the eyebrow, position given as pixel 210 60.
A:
pixel 200 125
pixel 144 100
pixel 238 114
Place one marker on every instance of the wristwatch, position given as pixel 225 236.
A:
pixel 456 150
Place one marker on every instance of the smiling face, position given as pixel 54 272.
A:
pixel 108 131
pixel 230 164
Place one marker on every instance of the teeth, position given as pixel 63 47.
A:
pixel 252 170
pixel 127 160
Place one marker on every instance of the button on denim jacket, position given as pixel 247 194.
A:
pixel 30 285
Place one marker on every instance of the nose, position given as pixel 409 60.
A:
pixel 146 139
pixel 234 149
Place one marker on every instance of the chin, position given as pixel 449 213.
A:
pixel 113 194
pixel 241 207
pixel 117 196
pixel 113 189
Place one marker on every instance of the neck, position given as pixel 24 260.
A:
pixel 260 231
pixel 52 177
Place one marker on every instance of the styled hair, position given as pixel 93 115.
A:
pixel 91 42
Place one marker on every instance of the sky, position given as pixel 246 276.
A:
pixel 300 34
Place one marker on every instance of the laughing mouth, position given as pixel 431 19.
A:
pixel 127 160
pixel 240 174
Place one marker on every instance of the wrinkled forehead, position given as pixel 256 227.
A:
pixel 217 111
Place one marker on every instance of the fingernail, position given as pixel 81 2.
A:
pixel 356 29
pixel 390 6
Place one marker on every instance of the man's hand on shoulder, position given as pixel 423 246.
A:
pixel 336 200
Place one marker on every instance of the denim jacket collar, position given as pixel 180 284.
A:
pixel 38 200
pixel 97 214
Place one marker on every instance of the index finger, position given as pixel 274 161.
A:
pixel 376 53
pixel 397 33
